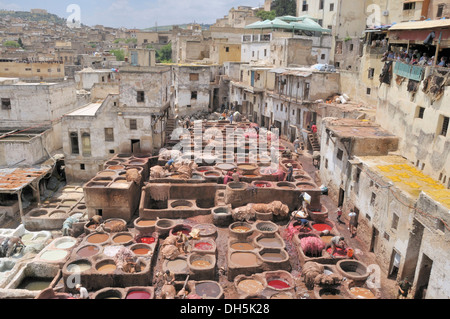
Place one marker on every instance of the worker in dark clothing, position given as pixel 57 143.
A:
pixel 289 177
pixel 404 286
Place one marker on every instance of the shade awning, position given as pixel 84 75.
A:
pixel 416 25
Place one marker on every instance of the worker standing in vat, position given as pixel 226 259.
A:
pixel 403 288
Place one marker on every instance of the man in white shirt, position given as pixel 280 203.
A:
pixel 83 292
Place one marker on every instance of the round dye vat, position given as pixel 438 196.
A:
pixel 273 256
pixel 65 244
pixel 244 259
pixel 106 173
pixel 250 286
pixel 114 223
pixel 146 240
pixel 141 251
pixel 177 265
pixel 322 227
pixel 326 239
pixel 53 255
pixel 330 294
pixel 88 251
pixel 203 246
pixel 138 294
pixel 80 266
pixel 107 268
pixel 362 293
pixel 242 246
pixel 241 229
pixel 97 238
pixel 120 239
pixel 208 289
pixel 270 242
pixel 199 263
pixel 278 284
pixel 146 223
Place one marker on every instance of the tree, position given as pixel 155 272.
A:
pixel 284 7
pixel 119 54
pixel 11 44
pixel 164 55
pixel 20 42
pixel 266 15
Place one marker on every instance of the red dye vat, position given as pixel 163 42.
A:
pixel 278 284
pixel 322 227
pixel 138 294
pixel 146 240
pixel 262 185
pixel 203 246
pixel 339 251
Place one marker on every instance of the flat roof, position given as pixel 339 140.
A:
pixel 88 110
pixel 357 128
pixel 407 178
pixel 14 179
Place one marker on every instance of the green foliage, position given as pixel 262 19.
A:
pixel 131 40
pixel 11 44
pixel 164 54
pixel 266 15
pixel 284 7
pixel 20 42
pixel 119 54
pixel 32 16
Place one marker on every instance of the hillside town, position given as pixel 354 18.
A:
pixel 301 155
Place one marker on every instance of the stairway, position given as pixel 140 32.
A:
pixel 314 141
pixel 170 126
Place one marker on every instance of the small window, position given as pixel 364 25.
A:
pixel 305 5
pixel 420 112
pixel 38 70
pixel 193 77
pixel 357 174
pixel 82 167
pixel 440 11
pixel 339 155
pixel 6 104
pixel 109 134
pixel 331 6
pixel 193 95
pixel 368 91
pixel 111 151
pixel 133 124
pixel 188 106
pixel 140 96
pixel 351 46
pixel 371 73
pixel 395 219
pixel 444 127
pixel 323 56
pixel 321 4
pixel 227 49
pixel 372 199
pixel 326 163
pixel 409 6
pixel 59 70
pixel 386 236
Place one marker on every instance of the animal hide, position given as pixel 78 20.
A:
pixel 133 175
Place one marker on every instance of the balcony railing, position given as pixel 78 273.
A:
pixel 412 72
